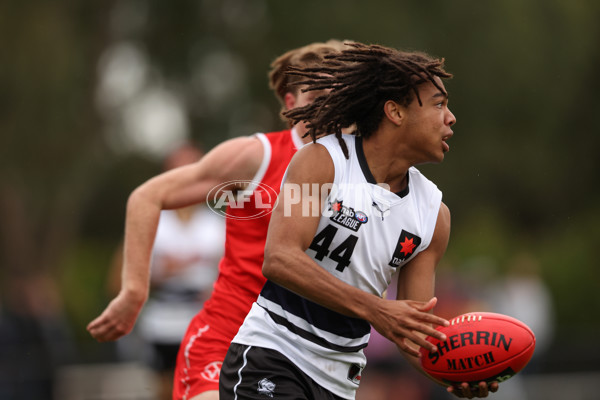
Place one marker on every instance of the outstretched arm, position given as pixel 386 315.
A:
pixel 236 159
pixel 287 264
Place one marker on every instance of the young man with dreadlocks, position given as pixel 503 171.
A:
pixel 326 271
pixel 258 161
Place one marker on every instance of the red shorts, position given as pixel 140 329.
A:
pixel 199 360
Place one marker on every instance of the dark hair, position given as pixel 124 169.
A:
pixel 361 79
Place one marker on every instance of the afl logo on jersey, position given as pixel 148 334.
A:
pixel 242 199
pixel 361 216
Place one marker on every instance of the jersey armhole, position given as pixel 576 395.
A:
pixel 264 165
pixel 336 156
pixel 331 155
pixel 435 202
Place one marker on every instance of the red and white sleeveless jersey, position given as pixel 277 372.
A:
pixel 240 271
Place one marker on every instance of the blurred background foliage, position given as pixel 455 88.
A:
pixel 94 93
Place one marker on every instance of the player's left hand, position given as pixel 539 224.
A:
pixel 117 319
pixel 465 391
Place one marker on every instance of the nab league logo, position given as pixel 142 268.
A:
pixel 347 216
pixel 407 243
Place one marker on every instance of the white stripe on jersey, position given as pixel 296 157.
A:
pixel 264 164
pixel 304 325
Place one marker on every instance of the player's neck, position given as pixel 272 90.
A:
pixel 385 165
pixel 300 133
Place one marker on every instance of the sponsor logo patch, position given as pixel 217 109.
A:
pixel 212 371
pixel 347 216
pixel 407 243
pixel 354 373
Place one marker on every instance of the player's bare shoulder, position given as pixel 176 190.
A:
pixel 312 163
pixel 444 220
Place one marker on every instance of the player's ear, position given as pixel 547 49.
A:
pixel 289 100
pixel 394 112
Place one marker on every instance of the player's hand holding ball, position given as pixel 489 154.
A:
pixel 464 390
pixel 481 350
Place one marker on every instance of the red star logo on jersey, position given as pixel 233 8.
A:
pixel 336 206
pixel 407 246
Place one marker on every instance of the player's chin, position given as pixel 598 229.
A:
pixel 432 157
pixel 439 154
pixel 445 150
pixel 438 158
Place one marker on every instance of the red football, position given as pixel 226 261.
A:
pixel 480 346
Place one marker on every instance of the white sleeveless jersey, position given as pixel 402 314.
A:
pixel 365 234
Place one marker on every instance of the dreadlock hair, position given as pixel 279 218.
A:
pixel 309 56
pixel 360 80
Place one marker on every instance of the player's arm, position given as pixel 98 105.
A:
pixel 287 264
pixel 236 159
pixel 417 282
